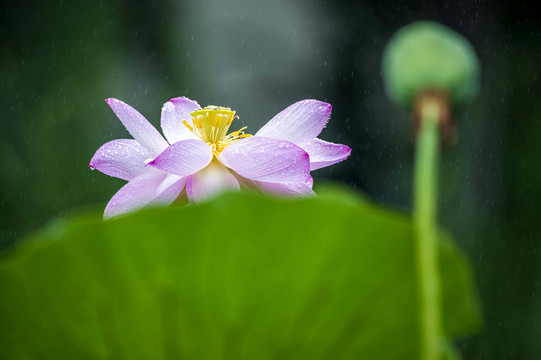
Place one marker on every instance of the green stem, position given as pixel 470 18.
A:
pixel 425 207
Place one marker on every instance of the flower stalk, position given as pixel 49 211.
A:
pixel 430 110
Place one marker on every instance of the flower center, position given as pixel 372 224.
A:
pixel 211 124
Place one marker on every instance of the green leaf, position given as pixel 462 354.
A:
pixel 241 277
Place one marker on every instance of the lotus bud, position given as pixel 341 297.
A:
pixel 427 56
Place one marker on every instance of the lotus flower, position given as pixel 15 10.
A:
pixel 202 158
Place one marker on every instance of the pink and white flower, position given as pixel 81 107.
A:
pixel 202 158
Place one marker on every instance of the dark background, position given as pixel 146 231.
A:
pixel 59 60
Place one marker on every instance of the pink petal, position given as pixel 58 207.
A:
pixel 210 181
pixel 124 159
pixel 323 153
pixel 288 189
pixel 266 159
pixel 152 188
pixel 298 123
pixel 183 158
pixel 169 189
pixel 173 112
pixel 184 107
pixel 138 126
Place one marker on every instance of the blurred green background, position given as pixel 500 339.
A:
pixel 59 61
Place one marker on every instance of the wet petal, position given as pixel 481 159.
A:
pixel 298 123
pixel 210 181
pixel 183 158
pixel 287 189
pixel 138 126
pixel 169 189
pixel 265 159
pixel 123 159
pixel 324 153
pixel 152 188
pixel 184 107
pixel 173 112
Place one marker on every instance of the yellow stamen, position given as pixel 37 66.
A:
pixel 187 125
pixel 211 125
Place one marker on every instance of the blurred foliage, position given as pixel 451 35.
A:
pixel 321 278
pixel 59 60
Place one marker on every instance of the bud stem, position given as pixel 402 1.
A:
pixel 425 208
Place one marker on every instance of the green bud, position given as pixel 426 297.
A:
pixel 427 56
